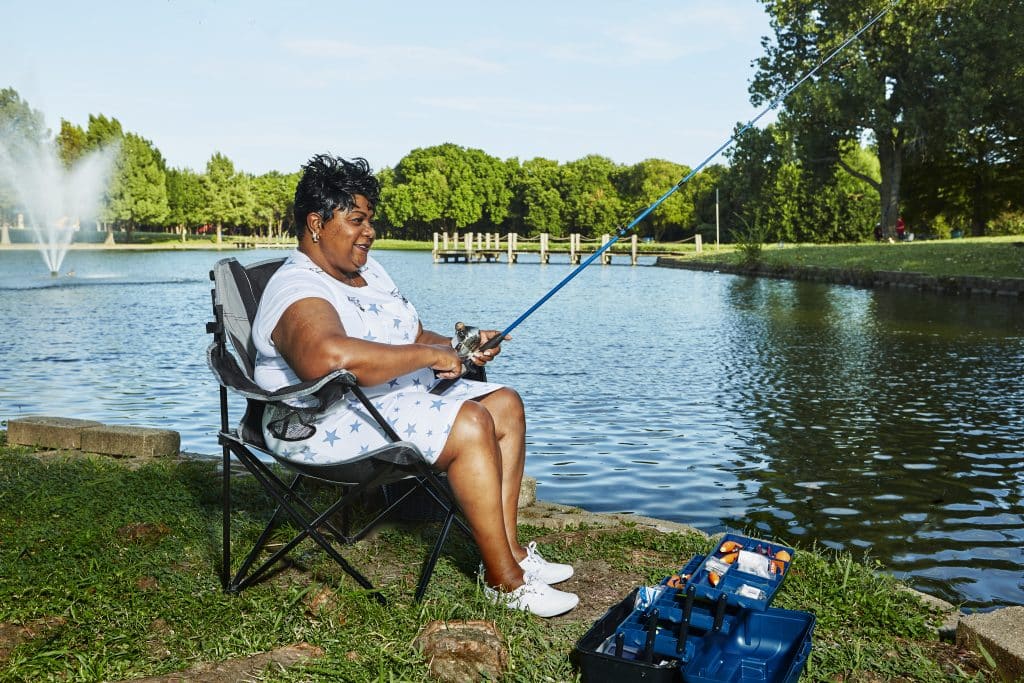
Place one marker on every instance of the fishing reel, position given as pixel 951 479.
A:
pixel 467 340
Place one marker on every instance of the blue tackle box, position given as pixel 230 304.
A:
pixel 680 631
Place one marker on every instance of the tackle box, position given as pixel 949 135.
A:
pixel 675 632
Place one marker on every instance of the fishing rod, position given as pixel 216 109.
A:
pixel 468 347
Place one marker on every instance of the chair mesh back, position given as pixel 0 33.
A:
pixel 238 292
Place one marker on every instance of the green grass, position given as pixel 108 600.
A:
pixel 997 257
pixel 107 601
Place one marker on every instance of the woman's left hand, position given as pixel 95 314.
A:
pixel 484 357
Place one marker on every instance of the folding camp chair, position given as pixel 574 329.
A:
pixel 236 295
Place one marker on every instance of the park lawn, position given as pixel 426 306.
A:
pixel 109 572
pixel 994 257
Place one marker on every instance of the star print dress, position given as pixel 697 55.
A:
pixel 377 312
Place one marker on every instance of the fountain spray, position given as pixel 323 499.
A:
pixel 56 200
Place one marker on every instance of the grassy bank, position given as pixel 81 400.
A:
pixel 997 257
pixel 109 573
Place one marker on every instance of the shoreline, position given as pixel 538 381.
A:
pixel 959 285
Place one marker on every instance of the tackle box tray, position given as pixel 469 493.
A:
pixel 747 571
pixel 717 644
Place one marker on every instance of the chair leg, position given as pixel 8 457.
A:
pixel 435 553
pixel 284 495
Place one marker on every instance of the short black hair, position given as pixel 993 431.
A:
pixel 328 183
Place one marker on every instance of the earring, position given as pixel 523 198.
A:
pixel 315 236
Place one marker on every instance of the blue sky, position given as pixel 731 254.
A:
pixel 269 84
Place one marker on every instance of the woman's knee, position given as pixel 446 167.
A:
pixel 506 406
pixel 473 424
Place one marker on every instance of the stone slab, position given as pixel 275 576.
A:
pixel 48 432
pixel 1001 634
pixel 131 441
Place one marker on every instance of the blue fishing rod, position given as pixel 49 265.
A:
pixel 470 345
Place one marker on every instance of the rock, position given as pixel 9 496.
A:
pixel 457 651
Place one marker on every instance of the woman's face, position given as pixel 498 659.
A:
pixel 345 240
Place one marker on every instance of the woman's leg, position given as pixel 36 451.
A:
pixel 472 457
pixel 509 416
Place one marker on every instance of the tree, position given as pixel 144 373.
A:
pixel 970 166
pixel 645 182
pixel 23 132
pixel 539 203
pixel 72 143
pixel 184 199
pixel 138 194
pixel 876 86
pixel 274 195
pixel 227 194
pixel 592 203
pixel 446 187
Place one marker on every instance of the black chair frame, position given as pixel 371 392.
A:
pixel 399 462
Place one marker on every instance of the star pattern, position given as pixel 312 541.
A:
pixel 380 312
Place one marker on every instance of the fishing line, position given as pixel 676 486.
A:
pixel 639 216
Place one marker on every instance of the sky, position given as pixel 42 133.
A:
pixel 269 84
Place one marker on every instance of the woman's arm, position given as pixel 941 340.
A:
pixel 313 341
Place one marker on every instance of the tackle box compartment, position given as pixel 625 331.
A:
pixel 747 571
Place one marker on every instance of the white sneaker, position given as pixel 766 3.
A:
pixel 535 597
pixel 548 572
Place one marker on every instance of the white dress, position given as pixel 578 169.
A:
pixel 377 312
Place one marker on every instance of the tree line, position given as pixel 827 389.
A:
pixel 921 117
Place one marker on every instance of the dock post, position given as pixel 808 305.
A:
pixel 606 257
pixel 572 248
pixel 469 246
pixel 545 257
pixel 444 240
pixel 697 242
pixel 633 250
pixel 5 238
pixel 511 248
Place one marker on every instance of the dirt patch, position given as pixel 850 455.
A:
pixel 242 669
pixel 13 635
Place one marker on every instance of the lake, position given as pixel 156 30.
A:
pixel 884 423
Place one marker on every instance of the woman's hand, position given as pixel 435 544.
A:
pixel 484 357
pixel 447 365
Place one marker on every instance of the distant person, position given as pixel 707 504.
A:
pixel 331 305
pixel 901 229
pixel 878 232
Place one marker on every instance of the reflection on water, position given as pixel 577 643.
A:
pixel 884 423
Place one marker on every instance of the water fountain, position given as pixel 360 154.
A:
pixel 56 200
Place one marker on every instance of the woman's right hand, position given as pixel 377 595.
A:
pixel 447 365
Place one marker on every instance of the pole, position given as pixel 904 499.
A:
pixel 640 215
pixel 716 219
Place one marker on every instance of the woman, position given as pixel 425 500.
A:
pixel 331 305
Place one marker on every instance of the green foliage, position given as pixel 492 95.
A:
pixel 138 190
pixel 592 203
pixel 750 239
pixel 1008 223
pixel 21 128
pixel 645 182
pixel 227 194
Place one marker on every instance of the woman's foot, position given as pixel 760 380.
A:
pixel 548 572
pixel 534 596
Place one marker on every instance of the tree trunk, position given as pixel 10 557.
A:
pixel 890 157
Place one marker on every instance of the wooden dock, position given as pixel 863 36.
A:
pixel 487 247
